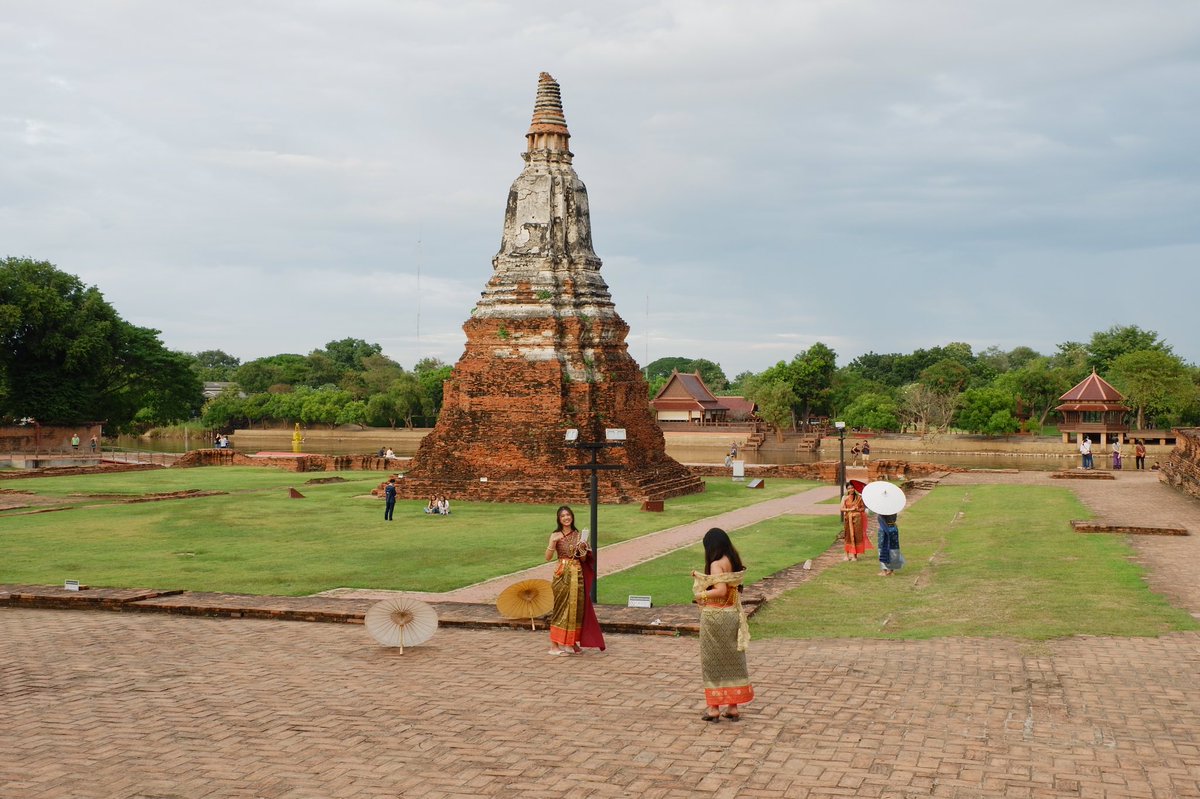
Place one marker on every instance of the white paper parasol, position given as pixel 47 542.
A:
pixel 401 621
pixel 883 497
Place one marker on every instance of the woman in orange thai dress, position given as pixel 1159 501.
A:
pixel 573 623
pixel 724 631
pixel 854 524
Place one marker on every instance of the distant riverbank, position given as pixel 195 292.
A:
pixel 1021 452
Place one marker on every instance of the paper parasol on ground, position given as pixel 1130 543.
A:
pixel 526 599
pixel 401 621
pixel 883 497
pixel 857 485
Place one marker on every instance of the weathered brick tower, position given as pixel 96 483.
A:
pixel 545 352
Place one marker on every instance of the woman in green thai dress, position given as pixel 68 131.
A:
pixel 724 632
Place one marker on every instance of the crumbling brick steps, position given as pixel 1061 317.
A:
pixel 1082 474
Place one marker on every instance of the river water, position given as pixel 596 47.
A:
pixel 355 445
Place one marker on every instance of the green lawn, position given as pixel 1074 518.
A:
pixel 766 547
pixel 983 561
pixel 259 540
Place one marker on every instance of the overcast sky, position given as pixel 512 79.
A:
pixel 264 177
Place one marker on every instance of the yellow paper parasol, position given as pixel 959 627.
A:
pixel 400 621
pixel 527 599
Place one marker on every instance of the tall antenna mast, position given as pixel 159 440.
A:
pixel 646 360
pixel 418 289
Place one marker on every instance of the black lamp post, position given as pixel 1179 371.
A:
pixel 613 437
pixel 841 428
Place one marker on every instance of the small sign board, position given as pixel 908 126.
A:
pixel 71 585
pixel 636 601
pixel 739 470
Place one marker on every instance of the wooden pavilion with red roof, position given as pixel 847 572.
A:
pixel 685 398
pixel 1094 409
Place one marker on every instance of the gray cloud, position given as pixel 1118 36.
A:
pixel 263 177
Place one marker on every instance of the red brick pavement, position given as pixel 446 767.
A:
pixel 144 705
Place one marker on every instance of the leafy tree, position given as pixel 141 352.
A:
pixel 947 376
pixel 872 412
pixel 1155 382
pixel 812 378
pixel 349 353
pixel 378 373
pixel 1108 345
pixel 925 408
pixel 988 410
pixel 775 399
pixel 1036 386
pixel 224 410
pixel 664 366
pixel 215 365
pixel 353 412
pixel 432 379
pixel 323 370
pixel 849 385
pixel 322 405
pixel 66 356
pixel 711 373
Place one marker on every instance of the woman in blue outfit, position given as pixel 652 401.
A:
pixel 889 545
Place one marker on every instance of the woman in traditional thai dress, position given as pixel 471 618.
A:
pixel 854 524
pixel 573 623
pixel 724 632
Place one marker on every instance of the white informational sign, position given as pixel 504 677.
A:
pixel 739 470
pixel 636 601
pixel 71 585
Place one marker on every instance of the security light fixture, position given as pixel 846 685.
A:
pixel 840 425
pixel 572 435
pixel 614 434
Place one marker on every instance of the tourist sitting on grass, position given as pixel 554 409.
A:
pixel 432 505
pixel 443 506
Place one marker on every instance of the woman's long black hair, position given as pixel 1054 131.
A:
pixel 716 546
pixel 559 528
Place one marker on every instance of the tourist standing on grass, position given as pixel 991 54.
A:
pixel 75 442
pixel 854 524
pixel 1116 454
pixel 866 452
pixel 389 499
pixel 724 631
pixel 889 545
pixel 855 455
pixel 573 623
pixel 1139 454
pixel 1085 450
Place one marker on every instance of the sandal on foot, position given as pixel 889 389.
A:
pixel 713 719
pixel 556 652
pixel 733 716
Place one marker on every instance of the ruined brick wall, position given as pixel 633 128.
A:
pixel 1182 467
pixel 299 463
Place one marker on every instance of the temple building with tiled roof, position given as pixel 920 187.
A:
pixel 1095 409
pixel 686 398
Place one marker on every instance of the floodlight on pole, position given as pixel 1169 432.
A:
pixel 613 437
pixel 841 428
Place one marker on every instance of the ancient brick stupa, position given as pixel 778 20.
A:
pixel 545 353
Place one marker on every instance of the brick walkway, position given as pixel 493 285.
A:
pixel 142 705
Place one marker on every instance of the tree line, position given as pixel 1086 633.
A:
pixel 993 392
pixel 67 357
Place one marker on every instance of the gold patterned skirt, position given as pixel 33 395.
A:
pixel 723 666
pixel 566 620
